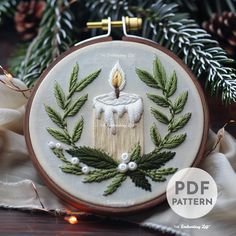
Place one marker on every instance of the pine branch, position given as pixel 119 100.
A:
pixel 109 8
pixel 184 37
pixel 54 37
pixel 202 10
pixel 7 8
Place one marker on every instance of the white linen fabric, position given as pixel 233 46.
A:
pixel 17 174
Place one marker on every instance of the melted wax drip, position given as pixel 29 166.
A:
pixel 109 104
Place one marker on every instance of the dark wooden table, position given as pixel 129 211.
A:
pixel 19 223
pixel 13 222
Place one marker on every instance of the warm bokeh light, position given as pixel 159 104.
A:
pixel 71 219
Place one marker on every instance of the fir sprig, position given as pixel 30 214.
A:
pixel 197 49
pixel 54 37
pixel 109 8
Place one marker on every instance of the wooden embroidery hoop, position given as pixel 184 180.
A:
pixel 95 208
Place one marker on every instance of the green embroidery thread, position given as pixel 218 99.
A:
pixel 168 87
pixel 104 167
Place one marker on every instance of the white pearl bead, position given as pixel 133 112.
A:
pixel 132 165
pixel 122 167
pixel 75 160
pixel 51 144
pixel 125 157
pixel 58 145
pixel 85 169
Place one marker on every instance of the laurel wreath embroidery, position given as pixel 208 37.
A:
pixel 101 165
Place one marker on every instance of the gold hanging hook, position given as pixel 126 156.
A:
pixel 132 23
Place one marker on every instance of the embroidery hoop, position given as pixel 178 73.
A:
pixel 97 208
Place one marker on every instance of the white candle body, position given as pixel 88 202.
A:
pixel 109 104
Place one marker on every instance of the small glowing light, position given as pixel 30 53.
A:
pixel 117 79
pixel 72 220
pixel 7 74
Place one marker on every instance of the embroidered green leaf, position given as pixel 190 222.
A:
pixel 135 152
pixel 115 184
pixel 78 130
pixel 171 85
pixel 54 116
pixel 174 141
pixel 159 175
pixel 160 116
pixel 167 171
pixel 87 80
pixel 152 174
pixel 100 175
pixel 155 135
pixel 147 78
pixel 159 100
pixel 59 154
pixel 179 123
pixel 93 157
pixel 60 136
pixel 72 169
pixel 76 106
pixel 139 179
pixel 68 101
pixel 180 102
pixel 154 160
pixel 73 77
pixel 159 73
pixel 60 96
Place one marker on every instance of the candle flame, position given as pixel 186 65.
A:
pixel 117 79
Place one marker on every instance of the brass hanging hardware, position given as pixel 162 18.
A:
pixel 132 23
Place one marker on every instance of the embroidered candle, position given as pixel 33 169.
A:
pixel 118 123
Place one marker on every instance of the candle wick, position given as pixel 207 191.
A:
pixel 117 92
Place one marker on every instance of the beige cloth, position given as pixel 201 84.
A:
pixel 17 174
